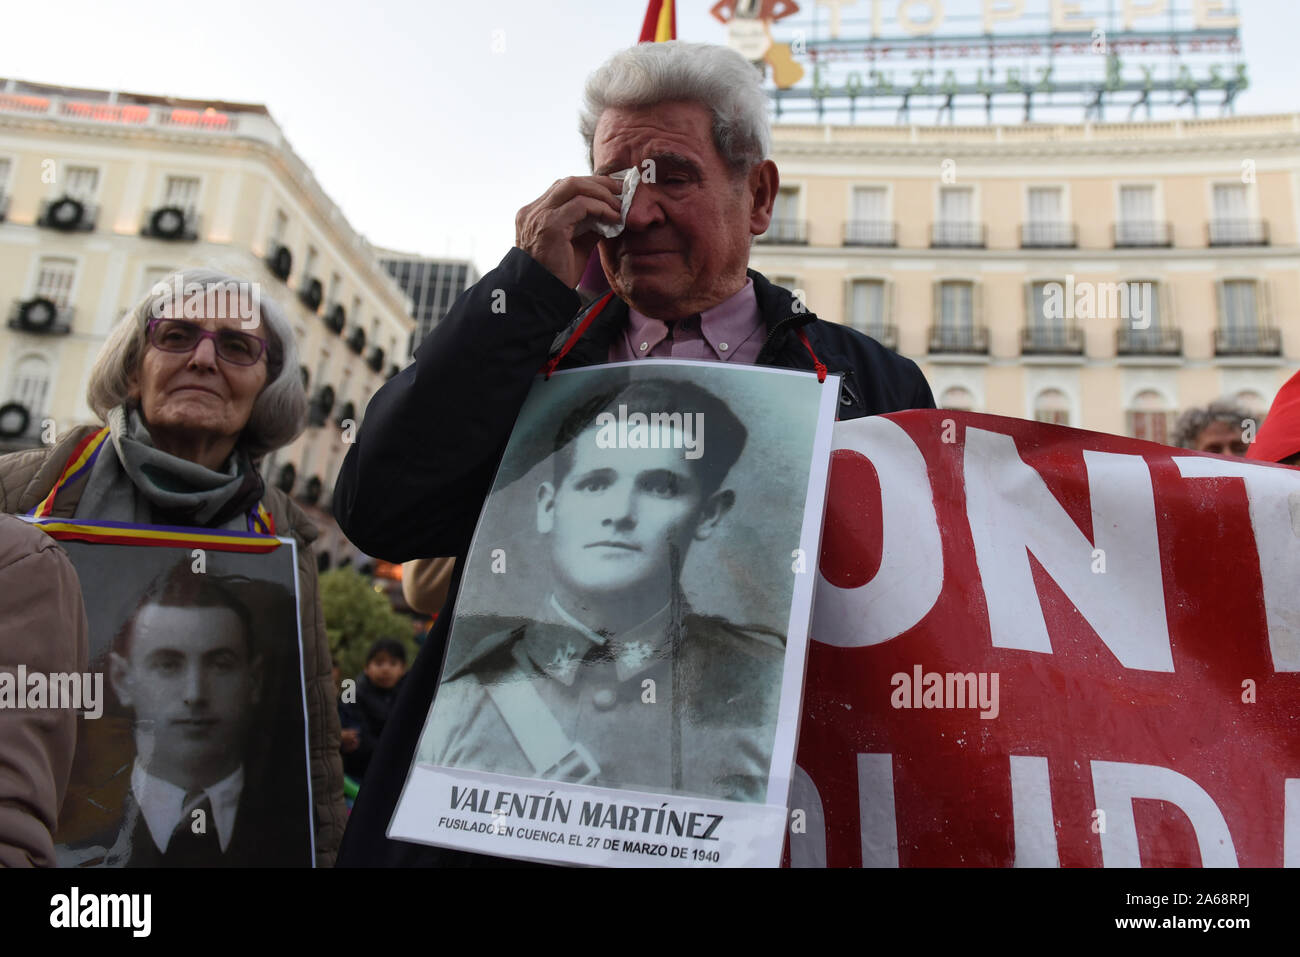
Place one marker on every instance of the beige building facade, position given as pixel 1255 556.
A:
pixel 104 194
pixel 1100 275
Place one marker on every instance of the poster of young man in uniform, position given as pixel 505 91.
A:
pixel 195 754
pixel 623 673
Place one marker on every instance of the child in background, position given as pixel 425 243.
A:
pixel 376 692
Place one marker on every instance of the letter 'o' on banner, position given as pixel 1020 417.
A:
pixel 910 573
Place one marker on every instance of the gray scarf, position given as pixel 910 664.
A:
pixel 132 481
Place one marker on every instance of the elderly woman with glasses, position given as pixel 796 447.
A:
pixel 193 386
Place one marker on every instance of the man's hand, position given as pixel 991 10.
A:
pixel 546 227
pixel 350 739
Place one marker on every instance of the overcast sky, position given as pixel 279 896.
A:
pixel 426 138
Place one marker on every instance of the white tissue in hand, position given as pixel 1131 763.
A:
pixel 630 177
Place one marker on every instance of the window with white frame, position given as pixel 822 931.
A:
pixel 1137 223
pixel 785 216
pixel 1240 313
pixel 1231 211
pixel 81 182
pixel 1230 201
pixel 957 398
pixel 30 386
pixel 355 311
pixel 786 206
pixel 956 204
pixel 869 221
pixel 1142 302
pixel 181 192
pixel 955 223
pixel 336 288
pixel 54 279
pixel 309 264
pixel 1052 406
pixel 5 166
pixel 1046 204
pixel 956 313
pixel 867 306
pixel 1047 224
pixel 1042 316
pixel 279 225
pixel 1149 417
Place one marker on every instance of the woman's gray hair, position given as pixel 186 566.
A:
pixel 280 412
pixel 714 76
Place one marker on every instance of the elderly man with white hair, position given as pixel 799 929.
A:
pixel 691 120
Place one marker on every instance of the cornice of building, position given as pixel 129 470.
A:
pixel 1197 136
pixel 261 137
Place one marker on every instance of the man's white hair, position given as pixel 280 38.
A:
pixel 716 77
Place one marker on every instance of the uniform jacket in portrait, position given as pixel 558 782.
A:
pixel 27 477
pixel 689 708
pixel 414 483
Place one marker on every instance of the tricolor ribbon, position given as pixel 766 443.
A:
pixel 83 457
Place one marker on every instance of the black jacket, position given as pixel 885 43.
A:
pixel 414 482
pixel 368 714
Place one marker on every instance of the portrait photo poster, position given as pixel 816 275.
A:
pixel 199 755
pixel 624 669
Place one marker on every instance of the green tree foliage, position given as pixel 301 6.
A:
pixel 355 615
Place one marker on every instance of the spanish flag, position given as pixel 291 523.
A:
pixel 660 22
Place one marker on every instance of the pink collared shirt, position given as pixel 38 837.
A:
pixel 731 331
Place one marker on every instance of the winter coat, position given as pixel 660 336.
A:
pixel 27 477
pixel 414 483
pixel 42 626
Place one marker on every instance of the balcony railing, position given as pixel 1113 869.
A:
pixel 1154 341
pixel 1048 235
pixel 68 214
pixel 869 232
pixel 950 235
pixel 886 335
pixel 171 223
pixel 1248 341
pixel 1051 340
pixel 1142 233
pixel 964 339
pixel 40 316
pixel 1237 232
pixel 786 232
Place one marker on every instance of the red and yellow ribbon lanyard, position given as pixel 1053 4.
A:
pixel 569 343
pixel 83 457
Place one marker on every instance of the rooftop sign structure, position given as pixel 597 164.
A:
pixel 1043 59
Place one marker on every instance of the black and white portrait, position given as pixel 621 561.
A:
pixel 200 757
pixel 624 613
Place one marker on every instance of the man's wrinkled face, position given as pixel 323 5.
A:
pixel 621 518
pixel 188 677
pixel 686 243
pixel 1222 438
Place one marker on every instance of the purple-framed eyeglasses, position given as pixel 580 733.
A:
pixel 177 335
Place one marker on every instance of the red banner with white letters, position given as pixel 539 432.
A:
pixel 1039 646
